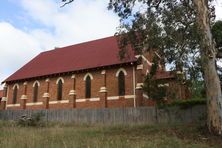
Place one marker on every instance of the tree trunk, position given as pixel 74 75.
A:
pixel 208 57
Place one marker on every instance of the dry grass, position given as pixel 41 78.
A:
pixel 83 136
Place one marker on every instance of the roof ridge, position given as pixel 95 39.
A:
pixel 80 43
pixel 86 42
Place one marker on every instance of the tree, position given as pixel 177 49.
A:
pixel 208 58
pixel 181 31
pixel 65 2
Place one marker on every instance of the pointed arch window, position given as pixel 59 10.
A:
pixel 15 94
pixel 59 89
pixel 121 83
pixel 35 92
pixel 88 87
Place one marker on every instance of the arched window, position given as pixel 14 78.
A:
pixel 35 92
pixel 88 86
pixel 121 83
pixel 59 89
pixel 15 94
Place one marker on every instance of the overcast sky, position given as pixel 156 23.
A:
pixel 28 27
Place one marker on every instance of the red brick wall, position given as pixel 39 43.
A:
pixel 96 84
pixel 112 82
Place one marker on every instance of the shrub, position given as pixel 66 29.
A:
pixel 185 103
pixel 36 119
pixel 154 87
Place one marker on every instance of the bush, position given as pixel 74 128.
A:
pixel 185 103
pixel 35 119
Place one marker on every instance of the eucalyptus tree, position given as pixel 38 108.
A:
pixel 180 31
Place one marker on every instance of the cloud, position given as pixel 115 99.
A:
pixel 218 12
pixel 17 48
pixel 80 21
pixel 53 27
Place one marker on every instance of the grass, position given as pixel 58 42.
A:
pixel 84 136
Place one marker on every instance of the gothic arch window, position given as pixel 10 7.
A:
pixel 88 87
pixel 87 78
pixel 59 83
pixel 15 93
pixel 121 83
pixel 121 70
pixel 88 74
pixel 35 91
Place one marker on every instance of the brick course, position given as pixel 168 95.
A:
pixel 96 97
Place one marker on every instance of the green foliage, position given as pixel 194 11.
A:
pixel 173 28
pixel 185 103
pixel 197 89
pixel 152 87
pixel 35 119
pixel 217 34
pixel 168 26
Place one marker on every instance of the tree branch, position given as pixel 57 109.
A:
pixel 66 2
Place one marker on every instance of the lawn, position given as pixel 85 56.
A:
pixel 85 136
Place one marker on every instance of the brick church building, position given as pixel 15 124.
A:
pixel 86 75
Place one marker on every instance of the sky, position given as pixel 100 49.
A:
pixel 29 27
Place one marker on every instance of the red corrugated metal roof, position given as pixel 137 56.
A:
pixel 1 93
pixel 97 53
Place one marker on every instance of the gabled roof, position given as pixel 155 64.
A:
pixel 88 55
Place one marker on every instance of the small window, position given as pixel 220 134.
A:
pixel 35 92
pixel 15 95
pixel 88 87
pixel 121 79
pixel 59 90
